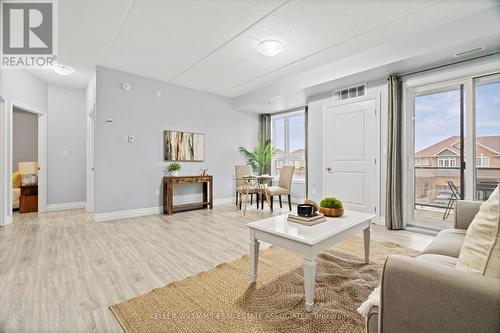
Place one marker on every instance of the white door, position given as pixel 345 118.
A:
pixel 350 144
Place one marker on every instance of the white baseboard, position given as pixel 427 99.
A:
pixel 126 214
pixel 380 220
pixel 7 220
pixel 223 201
pixel 66 205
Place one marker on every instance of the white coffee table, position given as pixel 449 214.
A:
pixel 307 240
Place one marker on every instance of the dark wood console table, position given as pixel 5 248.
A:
pixel 168 193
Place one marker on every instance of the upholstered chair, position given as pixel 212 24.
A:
pixel 284 186
pixel 240 171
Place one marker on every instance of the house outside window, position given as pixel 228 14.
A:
pixel 288 138
pixel 483 161
pixel 447 162
pixel 422 162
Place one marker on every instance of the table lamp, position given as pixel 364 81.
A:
pixel 28 168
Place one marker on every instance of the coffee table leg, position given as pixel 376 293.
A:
pixel 254 258
pixel 366 236
pixel 309 281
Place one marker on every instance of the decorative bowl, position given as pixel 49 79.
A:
pixel 314 204
pixel 332 212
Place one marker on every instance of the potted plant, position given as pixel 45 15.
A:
pixel 174 168
pixel 331 207
pixel 260 158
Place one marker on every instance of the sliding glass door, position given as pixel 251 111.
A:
pixel 438 167
pixel 455 148
pixel 487 128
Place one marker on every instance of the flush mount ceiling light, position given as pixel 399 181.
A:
pixel 62 70
pixel 270 48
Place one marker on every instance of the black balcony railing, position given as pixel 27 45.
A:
pixel 431 189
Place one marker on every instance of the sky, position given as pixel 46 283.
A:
pixel 437 116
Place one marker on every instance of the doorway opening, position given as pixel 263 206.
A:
pixel 23 153
pixel 24 161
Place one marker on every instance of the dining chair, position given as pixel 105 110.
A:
pixel 284 186
pixel 240 171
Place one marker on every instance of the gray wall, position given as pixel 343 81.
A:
pixel 22 87
pixel 66 139
pixel 128 176
pixel 315 141
pixel 25 137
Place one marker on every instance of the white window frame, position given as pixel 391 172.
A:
pixel 482 161
pixel 287 158
pixel 481 71
pixel 447 161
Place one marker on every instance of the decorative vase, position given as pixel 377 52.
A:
pixel 175 173
pixel 332 212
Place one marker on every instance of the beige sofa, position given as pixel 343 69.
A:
pixel 428 294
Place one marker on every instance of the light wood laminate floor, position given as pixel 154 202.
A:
pixel 60 271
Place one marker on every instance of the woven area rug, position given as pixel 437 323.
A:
pixel 224 300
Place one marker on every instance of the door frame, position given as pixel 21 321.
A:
pixel 6 155
pixel 378 182
pixel 5 213
pixel 91 123
pixel 435 82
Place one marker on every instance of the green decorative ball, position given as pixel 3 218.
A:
pixel 331 203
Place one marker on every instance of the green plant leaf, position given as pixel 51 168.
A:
pixel 260 158
pixel 331 202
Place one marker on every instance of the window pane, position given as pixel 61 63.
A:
pixel 488 139
pixel 297 136
pixel 300 169
pixel 278 164
pixel 437 156
pixel 279 137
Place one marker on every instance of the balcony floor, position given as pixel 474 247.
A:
pixel 430 217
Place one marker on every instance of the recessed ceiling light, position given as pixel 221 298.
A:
pixel 62 69
pixel 270 48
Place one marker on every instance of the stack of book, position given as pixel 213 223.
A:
pixel 306 220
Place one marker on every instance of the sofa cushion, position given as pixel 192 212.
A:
pixel 438 259
pixel 276 190
pixel 447 243
pixel 481 249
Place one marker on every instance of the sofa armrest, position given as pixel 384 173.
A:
pixel 423 297
pixel 465 211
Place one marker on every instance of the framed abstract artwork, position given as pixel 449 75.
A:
pixel 183 146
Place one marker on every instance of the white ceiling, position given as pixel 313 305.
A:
pixel 210 45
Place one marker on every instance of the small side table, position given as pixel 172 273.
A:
pixel 28 200
pixel 168 193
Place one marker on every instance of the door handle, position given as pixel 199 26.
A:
pixel 329 170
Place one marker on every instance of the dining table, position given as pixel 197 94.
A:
pixel 255 184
